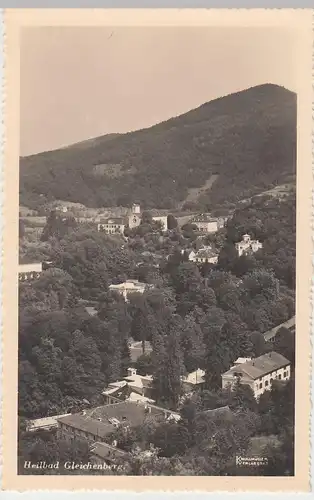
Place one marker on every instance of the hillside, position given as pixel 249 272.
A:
pixel 248 139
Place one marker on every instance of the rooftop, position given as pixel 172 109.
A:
pixel 113 220
pixel 206 253
pixel 105 451
pixel 203 218
pixel 196 377
pixel 260 366
pixel 139 381
pixel 102 420
pixel 129 284
pixel 290 325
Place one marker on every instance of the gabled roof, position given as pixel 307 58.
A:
pixel 260 366
pixel 100 421
pixel 138 398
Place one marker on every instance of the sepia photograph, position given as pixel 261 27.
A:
pixel 157 277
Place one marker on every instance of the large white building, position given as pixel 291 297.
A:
pixel 247 245
pixel 130 286
pixel 258 373
pixel 112 225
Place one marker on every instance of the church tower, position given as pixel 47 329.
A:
pixel 135 216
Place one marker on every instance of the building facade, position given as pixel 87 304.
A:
pixel 112 225
pixel 163 219
pixel 31 271
pixel 258 373
pixel 205 223
pixel 247 245
pixel 205 254
pixel 128 287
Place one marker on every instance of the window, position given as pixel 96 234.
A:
pixel 279 376
pixel 261 385
pixel 284 374
pixel 271 380
pixel 266 383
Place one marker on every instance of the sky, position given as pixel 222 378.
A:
pixel 82 82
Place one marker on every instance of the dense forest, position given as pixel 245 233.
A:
pixel 246 140
pixel 195 317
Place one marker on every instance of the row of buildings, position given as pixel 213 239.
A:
pixel 129 403
pixel 112 225
pixel 247 245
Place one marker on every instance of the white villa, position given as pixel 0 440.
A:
pixel 204 254
pixel 129 287
pixel 258 373
pixel 112 225
pixel 247 245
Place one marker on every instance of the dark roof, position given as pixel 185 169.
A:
pixel 105 451
pixel 87 424
pixel 112 220
pixel 206 253
pixel 260 366
pixel 96 421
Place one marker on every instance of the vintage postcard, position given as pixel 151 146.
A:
pixel 157 249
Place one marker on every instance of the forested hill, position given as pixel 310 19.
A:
pixel 248 138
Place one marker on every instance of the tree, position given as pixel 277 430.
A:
pixel 144 364
pixel 285 344
pixel 172 222
pixel 21 229
pixel 57 227
pixel 216 361
pixel 167 361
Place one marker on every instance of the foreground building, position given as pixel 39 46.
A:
pixel 101 453
pixel 258 373
pixel 97 424
pixel 247 245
